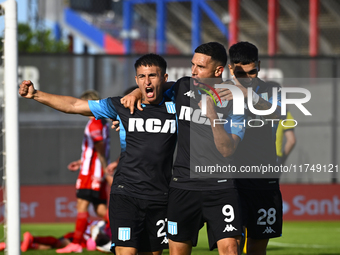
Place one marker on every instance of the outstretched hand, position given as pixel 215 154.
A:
pixel 26 89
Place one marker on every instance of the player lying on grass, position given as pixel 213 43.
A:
pixel 97 236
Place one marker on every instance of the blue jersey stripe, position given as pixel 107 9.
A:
pixel 122 135
pixel 237 128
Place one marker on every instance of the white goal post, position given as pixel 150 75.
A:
pixel 11 130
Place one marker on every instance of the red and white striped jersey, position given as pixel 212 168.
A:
pixel 91 171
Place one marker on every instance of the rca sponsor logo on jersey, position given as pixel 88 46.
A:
pixel 151 125
pixel 195 115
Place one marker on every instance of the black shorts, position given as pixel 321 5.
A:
pixel 188 210
pixel 138 223
pixel 262 213
pixel 91 196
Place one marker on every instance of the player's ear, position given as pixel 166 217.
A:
pixel 166 76
pixel 219 71
pixel 258 66
pixel 136 80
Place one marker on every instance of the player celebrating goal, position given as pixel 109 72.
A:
pixel 198 198
pixel 139 191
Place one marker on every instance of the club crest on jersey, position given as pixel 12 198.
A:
pixel 170 107
pixel 172 228
pixel 124 234
pixel 264 96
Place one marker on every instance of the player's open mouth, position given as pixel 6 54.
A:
pixel 149 92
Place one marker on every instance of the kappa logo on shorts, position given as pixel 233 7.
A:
pixel 124 234
pixel 229 228
pixel 268 230
pixel 170 107
pixel 165 240
pixel 172 228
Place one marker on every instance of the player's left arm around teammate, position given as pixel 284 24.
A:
pixel 225 143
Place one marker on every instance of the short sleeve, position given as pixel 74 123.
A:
pixel 236 125
pixel 103 109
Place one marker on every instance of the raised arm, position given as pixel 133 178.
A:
pixel 64 104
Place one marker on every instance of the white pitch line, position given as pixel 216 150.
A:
pixel 299 245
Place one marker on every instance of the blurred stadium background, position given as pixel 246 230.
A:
pixel 298 42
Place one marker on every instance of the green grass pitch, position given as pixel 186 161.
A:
pixel 301 238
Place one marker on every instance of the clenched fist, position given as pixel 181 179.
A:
pixel 27 89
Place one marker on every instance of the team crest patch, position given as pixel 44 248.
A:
pixel 124 234
pixel 170 107
pixel 172 228
pixel 264 96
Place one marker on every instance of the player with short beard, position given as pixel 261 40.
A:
pixel 193 198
